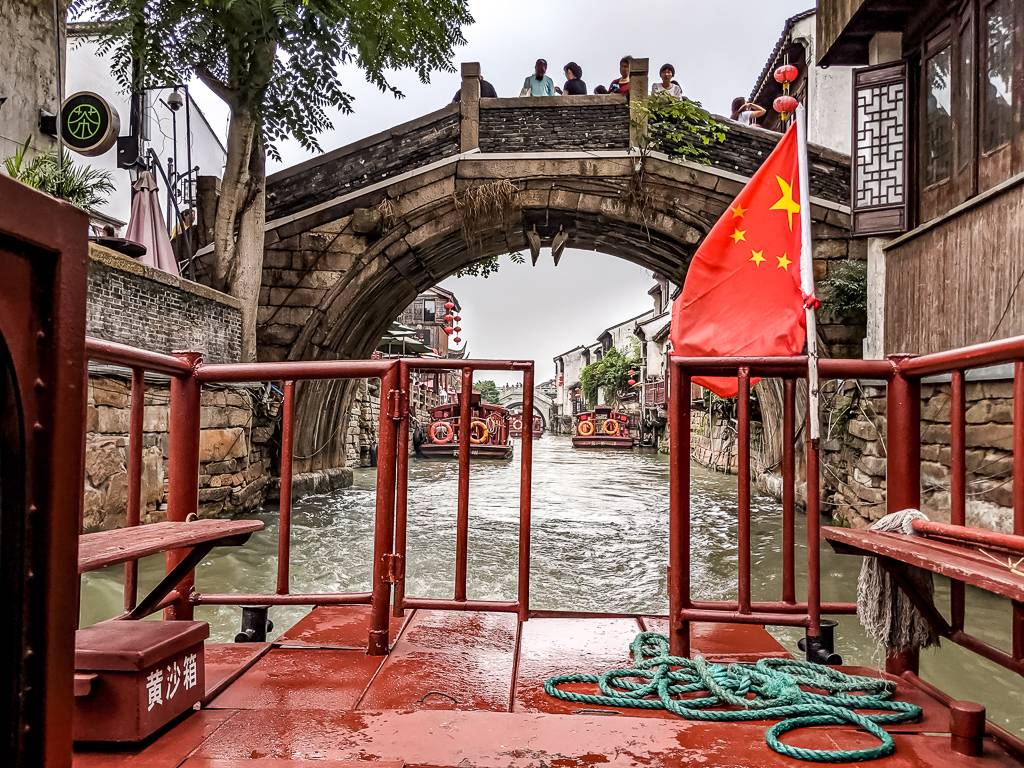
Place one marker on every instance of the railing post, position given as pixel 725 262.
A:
pixel 384 519
pixel 903 467
pixel 134 513
pixel 469 107
pixel 788 491
pixel 402 489
pixel 743 488
pixel 183 469
pixel 462 520
pixel 679 511
pixel 525 500
pixel 284 529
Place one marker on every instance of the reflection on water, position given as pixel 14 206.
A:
pixel 599 542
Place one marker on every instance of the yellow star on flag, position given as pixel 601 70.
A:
pixel 786 202
pixel 738 234
pixel 757 257
pixel 784 261
pixel 738 211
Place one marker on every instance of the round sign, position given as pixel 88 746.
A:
pixel 88 124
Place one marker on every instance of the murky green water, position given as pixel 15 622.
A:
pixel 599 542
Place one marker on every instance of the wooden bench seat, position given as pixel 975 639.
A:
pixel 960 562
pixel 122 545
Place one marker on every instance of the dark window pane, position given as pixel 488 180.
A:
pixel 938 118
pixel 428 310
pixel 965 102
pixel 998 83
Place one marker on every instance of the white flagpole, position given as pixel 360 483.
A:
pixel 807 274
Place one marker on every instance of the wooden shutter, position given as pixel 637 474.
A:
pixel 879 160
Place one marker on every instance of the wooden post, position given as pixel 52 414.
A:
pixel 469 107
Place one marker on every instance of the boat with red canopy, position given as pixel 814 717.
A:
pixel 489 436
pixel 515 425
pixel 603 427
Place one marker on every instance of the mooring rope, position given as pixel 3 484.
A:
pixel 769 689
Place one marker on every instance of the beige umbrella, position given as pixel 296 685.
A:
pixel 146 225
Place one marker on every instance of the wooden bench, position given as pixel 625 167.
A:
pixel 122 545
pixel 962 562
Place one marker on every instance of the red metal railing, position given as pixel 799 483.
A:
pixel 459 600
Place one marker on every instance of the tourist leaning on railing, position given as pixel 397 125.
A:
pixel 538 84
pixel 668 83
pixel 574 85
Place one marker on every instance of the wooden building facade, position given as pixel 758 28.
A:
pixel 938 160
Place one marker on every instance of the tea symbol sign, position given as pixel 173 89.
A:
pixel 88 123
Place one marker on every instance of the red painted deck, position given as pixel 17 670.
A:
pixel 465 689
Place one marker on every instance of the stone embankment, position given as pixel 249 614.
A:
pixel 238 436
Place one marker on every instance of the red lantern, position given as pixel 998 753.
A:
pixel 457 339
pixel 785 105
pixel 449 306
pixel 787 73
pixel 458 329
pixel 448 331
pixel 458 318
pixel 448 318
pixel 631 382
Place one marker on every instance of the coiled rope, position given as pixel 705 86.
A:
pixel 767 690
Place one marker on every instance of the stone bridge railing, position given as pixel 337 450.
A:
pixel 517 125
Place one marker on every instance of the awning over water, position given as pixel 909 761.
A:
pixel 147 227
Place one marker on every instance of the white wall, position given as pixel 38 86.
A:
pixel 829 95
pixel 88 71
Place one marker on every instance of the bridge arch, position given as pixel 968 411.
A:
pixel 352 237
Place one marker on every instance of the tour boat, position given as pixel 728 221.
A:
pixel 515 426
pixel 602 427
pixel 488 431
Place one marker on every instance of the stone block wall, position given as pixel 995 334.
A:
pixel 560 123
pixel 853 448
pixel 239 433
pixel 713 442
pixel 363 423
pixel 144 307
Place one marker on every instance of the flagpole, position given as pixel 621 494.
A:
pixel 807 275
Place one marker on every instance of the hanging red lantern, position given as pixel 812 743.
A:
pixel 448 331
pixel 785 105
pixel 448 318
pixel 458 329
pixel 631 382
pixel 458 318
pixel 457 339
pixel 449 306
pixel 787 73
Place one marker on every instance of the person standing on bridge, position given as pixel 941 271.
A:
pixel 538 84
pixel 745 112
pixel 668 84
pixel 574 85
pixel 621 83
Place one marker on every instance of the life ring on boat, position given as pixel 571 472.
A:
pixel 441 432
pixel 585 428
pixel 478 432
pixel 517 423
pixel 610 427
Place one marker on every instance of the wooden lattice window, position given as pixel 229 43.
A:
pixel 879 157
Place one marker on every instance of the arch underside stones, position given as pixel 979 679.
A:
pixel 332 285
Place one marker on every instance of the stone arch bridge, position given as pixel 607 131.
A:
pixel 512 398
pixel 353 235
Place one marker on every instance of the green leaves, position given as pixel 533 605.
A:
pixel 678 127
pixel 488 390
pixel 845 291
pixel 80 185
pixel 610 374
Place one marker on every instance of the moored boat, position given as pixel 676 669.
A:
pixel 603 427
pixel 488 431
pixel 515 426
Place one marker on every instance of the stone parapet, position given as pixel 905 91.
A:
pixel 148 308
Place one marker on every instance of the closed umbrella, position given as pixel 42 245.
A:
pixel 146 225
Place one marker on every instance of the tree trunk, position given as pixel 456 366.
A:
pixel 242 129
pixel 247 272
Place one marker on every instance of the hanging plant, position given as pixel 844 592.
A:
pixel 678 127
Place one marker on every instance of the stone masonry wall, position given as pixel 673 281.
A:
pixel 559 123
pixel 144 307
pixel 239 433
pixel 363 422
pixel 853 452
pixel 713 441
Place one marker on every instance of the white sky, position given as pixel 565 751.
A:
pixel 718 50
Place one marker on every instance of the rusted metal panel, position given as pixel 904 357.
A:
pixel 42 373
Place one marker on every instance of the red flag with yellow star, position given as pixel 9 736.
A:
pixel 742 294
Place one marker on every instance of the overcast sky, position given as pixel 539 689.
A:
pixel 718 50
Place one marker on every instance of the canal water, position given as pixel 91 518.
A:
pixel 599 542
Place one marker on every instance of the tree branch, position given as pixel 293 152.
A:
pixel 224 93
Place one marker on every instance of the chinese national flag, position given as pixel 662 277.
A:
pixel 742 294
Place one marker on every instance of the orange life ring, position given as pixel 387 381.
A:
pixel 585 428
pixel 610 427
pixel 478 432
pixel 446 432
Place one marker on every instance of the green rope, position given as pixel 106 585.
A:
pixel 770 689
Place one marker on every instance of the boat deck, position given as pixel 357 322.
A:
pixel 466 689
